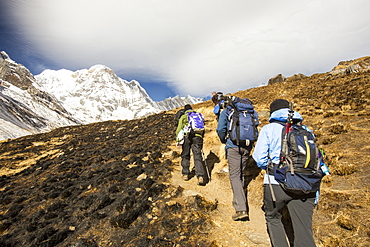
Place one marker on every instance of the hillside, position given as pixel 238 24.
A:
pixel 117 183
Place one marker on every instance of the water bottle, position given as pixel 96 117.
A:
pixel 324 168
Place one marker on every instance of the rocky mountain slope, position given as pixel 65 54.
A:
pixel 117 183
pixel 32 104
pixel 24 109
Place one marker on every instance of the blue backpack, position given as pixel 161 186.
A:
pixel 243 121
pixel 196 122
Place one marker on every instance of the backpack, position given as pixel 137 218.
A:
pixel 178 115
pixel 243 121
pixel 299 171
pixel 196 122
pixel 217 97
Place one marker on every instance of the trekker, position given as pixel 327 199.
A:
pixel 238 153
pixel 218 100
pixel 267 154
pixel 192 140
pixel 216 97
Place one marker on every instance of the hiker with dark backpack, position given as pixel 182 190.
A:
pixel 216 97
pixel 218 100
pixel 237 128
pixel 190 130
pixel 287 150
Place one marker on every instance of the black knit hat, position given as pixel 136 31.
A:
pixel 187 107
pixel 278 104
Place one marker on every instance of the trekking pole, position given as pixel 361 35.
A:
pixel 284 145
pixel 270 185
pixel 205 162
pixel 290 117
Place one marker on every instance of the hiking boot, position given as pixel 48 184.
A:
pixel 185 177
pixel 201 181
pixel 241 215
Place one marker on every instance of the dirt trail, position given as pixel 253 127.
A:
pixel 226 232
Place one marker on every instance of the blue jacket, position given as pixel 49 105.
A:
pixel 218 107
pixel 222 128
pixel 268 145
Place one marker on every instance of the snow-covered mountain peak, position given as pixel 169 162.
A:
pixel 25 109
pixel 98 94
pixel 100 68
pixel 134 83
pixel 6 57
pixel 54 98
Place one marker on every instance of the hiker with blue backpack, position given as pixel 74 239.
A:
pixel 190 133
pixel 237 128
pixel 286 149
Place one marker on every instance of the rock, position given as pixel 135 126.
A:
pixel 276 79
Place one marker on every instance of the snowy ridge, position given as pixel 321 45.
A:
pixel 97 94
pixel 177 101
pixel 32 104
pixel 24 109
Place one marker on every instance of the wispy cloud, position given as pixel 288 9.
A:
pixel 197 46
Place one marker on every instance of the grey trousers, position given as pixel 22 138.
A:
pixel 237 159
pixel 300 211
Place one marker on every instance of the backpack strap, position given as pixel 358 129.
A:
pixel 284 158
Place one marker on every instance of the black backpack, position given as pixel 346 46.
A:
pixel 178 115
pixel 299 170
pixel 220 96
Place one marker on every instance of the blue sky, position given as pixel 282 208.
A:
pixel 186 47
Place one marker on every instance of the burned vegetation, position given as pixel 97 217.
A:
pixel 109 183
pixel 102 184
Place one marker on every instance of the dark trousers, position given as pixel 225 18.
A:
pixel 300 211
pixel 195 144
pixel 237 158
